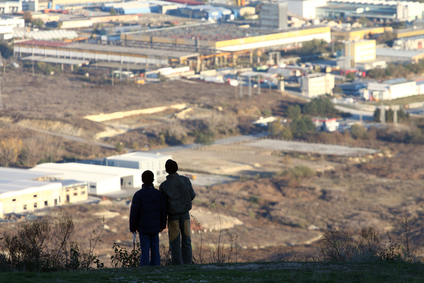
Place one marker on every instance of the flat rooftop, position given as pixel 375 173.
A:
pixel 390 52
pixel 215 32
pixel 139 156
pixel 20 174
pixel 110 48
pixel 88 169
pixel 7 186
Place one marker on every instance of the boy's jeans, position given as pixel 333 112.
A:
pixel 179 224
pixel 149 242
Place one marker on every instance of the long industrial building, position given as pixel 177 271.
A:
pixel 24 191
pixel 101 179
pixel 228 37
pixel 98 52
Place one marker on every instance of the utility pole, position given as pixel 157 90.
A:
pixel 1 103
pixel 250 86
pixel 241 88
pixel 259 85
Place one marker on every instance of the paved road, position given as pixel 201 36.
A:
pixel 356 113
pixel 237 139
pixel 72 138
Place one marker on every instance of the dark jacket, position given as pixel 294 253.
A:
pixel 178 193
pixel 148 211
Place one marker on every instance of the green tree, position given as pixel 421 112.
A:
pixel 293 111
pixel 319 106
pixel 337 89
pixel 38 23
pixel 204 137
pixel 5 49
pixel 112 11
pixel 376 115
pixel 301 126
pixel 277 130
pixel 350 76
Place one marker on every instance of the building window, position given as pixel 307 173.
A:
pixel 157 173
pixel 92 186
pixel 46 203
pixel 83 192
pixel 14 199
pixel 35 205
pixel 67 189
pixel 55 202
pixel 76 188
pixel 75 194
pixel 25 207
pixel 35 196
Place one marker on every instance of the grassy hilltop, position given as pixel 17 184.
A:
pixel 242 272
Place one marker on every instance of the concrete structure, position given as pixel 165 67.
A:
pixel 375 9
pixel 392 89
pixel 74 191
pixel 273 15
pixel 408 32
pixel 393 55
pixel 101 179
pixel 317 84
pixel 28 5
pixel 8 25
pixel 141 161
pixel 99 52
pixel 57 61
pixel 358 34
pixel 409 43
pixel 10 6
pixel 360 51
pixel 305 8
pixel 45 34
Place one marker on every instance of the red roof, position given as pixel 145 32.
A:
pixel 43 43
pixel 187 2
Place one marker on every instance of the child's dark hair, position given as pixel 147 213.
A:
pixel 147 177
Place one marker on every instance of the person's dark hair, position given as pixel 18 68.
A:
pixel 171 166
pixel 147 177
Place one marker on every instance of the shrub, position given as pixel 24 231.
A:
pixel 358 131
pixel 41 246
pixel 319 106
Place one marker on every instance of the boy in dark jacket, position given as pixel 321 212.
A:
pixel 148 217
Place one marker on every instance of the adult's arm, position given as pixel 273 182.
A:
pixel 192 193
pixel 163 212
pixel 135 213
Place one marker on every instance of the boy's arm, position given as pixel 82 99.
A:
pixel 134 213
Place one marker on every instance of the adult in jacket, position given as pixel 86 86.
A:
pixel 148 217
pixel 179 194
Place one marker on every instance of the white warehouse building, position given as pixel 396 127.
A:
pixel 141 161
pixel 391 89
pixel 100 179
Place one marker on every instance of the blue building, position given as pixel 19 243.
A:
pixel 206 12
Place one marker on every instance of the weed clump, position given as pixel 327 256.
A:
pixel 341 246
pixel 42 246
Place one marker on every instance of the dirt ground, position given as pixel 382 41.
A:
pixel 278 220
